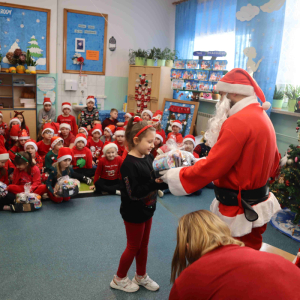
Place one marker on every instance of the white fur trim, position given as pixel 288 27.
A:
pixel 120 132
pixel 64 157
pixel 172 178
pixel 15 120
pixel 240 89
pixel 266 105
pixel 97 130
pixel 85 130
pixel 24 138
pixel 159 137
pixel 65 125
pixel 50 129
pixel 66 106
pixel 239 225
pixel 1 115
pixel 4 156
pixel 108 129
pixel 177 124
pixel 147 111
pixel 80 138
pixel 56 141
pixel 242 104
pixel 128 115
pixel 14 137
pixel 31 144
pixel 108 146
pixel 90 100
pixel 189 139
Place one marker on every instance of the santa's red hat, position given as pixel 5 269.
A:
pixel 80 137
pixel 55 140
pixel 64 153
pixel 111 129
pixel 120 131
pixel 154 121
pixel 15 120
pixel 190 138
pixel 14 132
pixel 31 142
pixel 47 101
pixel 55 127
pixel 147 111
pixel 136 119
pixel 90 99
pixel 23 135
pixel 97 128
pixel 158 114
pixel 66 105
pixel 65 125
pixel 85 130
pixel 129 115
pixel 239 81
pixel 159 136
pixel 47 126
pixel 108 146
pixel 177 123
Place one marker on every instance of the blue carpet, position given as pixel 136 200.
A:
pixel 72 250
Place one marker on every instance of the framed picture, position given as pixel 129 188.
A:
pixel 184 111
pixel 26 28
pixel 79 45
pixel 85 35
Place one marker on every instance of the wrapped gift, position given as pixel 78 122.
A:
pixel 3 189
pixel 28 201
pixel 67 187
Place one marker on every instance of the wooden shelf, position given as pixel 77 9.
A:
pixel 24 85
pixel 5 85
pixel 285 112
pixel 5 97
pixel 192 79
pixel 209 101
pixel 224 71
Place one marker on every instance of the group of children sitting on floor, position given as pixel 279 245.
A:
pixel 94 150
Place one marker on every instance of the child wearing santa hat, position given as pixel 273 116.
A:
pixel 108 134
pixel 146 115
pixel 19 145
pixel 66 134
pixel 189 144
pixel 156 123
pixel 120 140
pixel 66 117
pixel 95 144
pixel 82 156
pixel 3 125
pixel 45 144
pixel 107 175
pixel 51 156
pixel 128 116
pixel 46 113
pixel 11 138
pixel 175 135
pixel 63 168
pixel 158 142
pixel 31 147
pixel 89 114
pixel 19 115
pixel 84 131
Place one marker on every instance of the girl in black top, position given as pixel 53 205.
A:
pixel 138 203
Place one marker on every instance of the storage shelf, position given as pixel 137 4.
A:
pixel 196 91
pixel 5 85
pixel 18 107
pixel 24 85
pixel 5 97
pixel 209 101
pixel 285 112
pixel 224 71
pixel 193 79
pixel 19 74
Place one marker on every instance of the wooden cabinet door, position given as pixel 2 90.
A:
pixel 131 104
pixel 153 105
pixel 30 118
pixel 134 73
pixel 155 72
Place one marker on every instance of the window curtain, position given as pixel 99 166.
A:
pixel 258 37
pixel 185 22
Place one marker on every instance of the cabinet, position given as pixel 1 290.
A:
pixel 159 79
pixel 10 94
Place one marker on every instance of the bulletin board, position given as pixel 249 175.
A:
pixel 26 28
pixel 184 111
pixel 85 35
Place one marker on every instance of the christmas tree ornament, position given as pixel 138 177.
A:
pixel 296 159
pixel 140 90
pixel 290 161
pixel 143 88
pixel 287 183
pixel 143 78
pixel 145 105
pixel 136 87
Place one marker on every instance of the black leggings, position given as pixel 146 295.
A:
pixel 7 200
pixel 86 172
pixel 109 186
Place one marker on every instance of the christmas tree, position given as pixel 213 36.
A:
pixel 34 48
pixel 286 187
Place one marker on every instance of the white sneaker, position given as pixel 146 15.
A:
pixel 118 192
pixel 146 282
pixel 125 285
pixel 160 193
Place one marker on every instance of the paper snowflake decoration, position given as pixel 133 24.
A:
pixel 192 106
pixel 5 32
pixel 8 19
pixel 38 20
pixel 178 115
pixel 22 25
pixel 43 37
pixel 183 104
pixel 5 46
pixel 23 13
pixel 166 109
pixel 17 40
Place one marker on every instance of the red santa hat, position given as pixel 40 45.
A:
pixel 1 115
pixel 97 128
pixel 80 137
pixel 31 142
pixel 129 115
pixel 47 101
pixel 239 81
pixel 120 131
pixel 177 123
pixel 108 146
pixel 147 111
pixel 66 105
pixel 136 119
pixel 64 153
pixel 158 114
pixel 55 140
pixel 14 132
pixel 85 130
pixel 65 125
pixel 90 99
pixel 111 129
pixel 125 124
pixel 154 121
pixel 190 138
pixel 159 136
pixel 3 152
pixel 47 126
pixel 23 135
pixel 15 120
pixel 55 127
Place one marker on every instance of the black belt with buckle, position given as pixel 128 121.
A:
pixel 250 197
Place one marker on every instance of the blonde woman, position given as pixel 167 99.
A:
pixel 211 264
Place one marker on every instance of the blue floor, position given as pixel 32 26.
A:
pixel 72 250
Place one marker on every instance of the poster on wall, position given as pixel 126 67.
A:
pixel 85 35
pixel 46 87
pixel 26 28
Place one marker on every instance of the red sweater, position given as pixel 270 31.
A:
pixel 233 272
pixel 195 154
pixel 43 149
pixel 69 120
pixel 68 140
pixel 108 169
pixel 8 165
pixel 86 154
pixel 95 147
pixel 108 121
pixel 120 148
pixel 22 177
pixel 39 161
pixel 176 136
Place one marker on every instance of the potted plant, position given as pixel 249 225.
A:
pixel 170 56
pixel 215 95
pixel 151 57
pixel 160 55
pixel 31 64
pixel 278 98
pixel 292 92
pixel 138 57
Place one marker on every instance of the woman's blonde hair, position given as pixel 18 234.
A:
pixel 198 233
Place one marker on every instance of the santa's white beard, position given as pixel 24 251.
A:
pixel 215 123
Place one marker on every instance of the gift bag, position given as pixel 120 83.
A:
pixel 3 189
pixel 67 187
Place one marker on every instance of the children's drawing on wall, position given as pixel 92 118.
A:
pixel 252 66
pixel 79 45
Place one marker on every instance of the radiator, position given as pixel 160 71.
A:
pixel 202 120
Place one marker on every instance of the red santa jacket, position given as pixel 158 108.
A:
pixel 95 147
pixel 244 158
pixel 120 148
pixel 176 136
pixel 86 154
pixel 108 169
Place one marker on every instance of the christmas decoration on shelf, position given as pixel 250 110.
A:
pixel 142 92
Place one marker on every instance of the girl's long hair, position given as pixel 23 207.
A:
pixel 23 124
pixel 20 161
pixel 59 171
pixel 198 233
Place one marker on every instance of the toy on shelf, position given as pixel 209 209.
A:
pixel 66 186
pixel 177 84
pixel 204 86
pixel 205 64
pixel 188 74
pixel 176 74
pixel 207 96
pixel 179 63
pixel 191 64
pixel 202 75
pixel 215 76
pixel 219 65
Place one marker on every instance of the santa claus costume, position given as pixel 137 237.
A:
pixel 243 157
